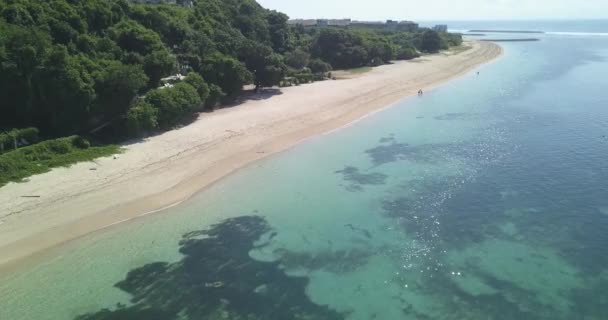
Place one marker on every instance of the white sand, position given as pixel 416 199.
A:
pixel 167 169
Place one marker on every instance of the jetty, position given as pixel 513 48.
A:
pixel 506 31
pixel 511 40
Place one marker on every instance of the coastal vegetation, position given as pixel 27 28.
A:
pixel 99 68
pixel 41 157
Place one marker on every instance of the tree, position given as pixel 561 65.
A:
pixel 159 64
pixel 406 53
pixel 23 53
pixel 272 72
pixel 65 93
pixel 250 20
pixel 215 97
pixel 340 48
pixel 17 14
pixel 227 73
pixel 67 66
pixel 142 117
pixel 196 81
pixel 168 21
pixel 380 52
pixel 431 41
pixel 280 37
pixel 451 39
pixel 173 103
pixel 297 59
pixel 116 85
pixel 62 32
pixel 319 66
pixel 266 66
pixel 132 36
pixel 98 14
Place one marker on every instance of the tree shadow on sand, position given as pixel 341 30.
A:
pixel 216 279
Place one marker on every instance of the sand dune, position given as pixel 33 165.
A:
pixel 167 169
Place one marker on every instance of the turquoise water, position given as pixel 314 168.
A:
pixel 485 199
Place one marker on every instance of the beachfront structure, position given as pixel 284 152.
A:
pixel 168 82
pixel 410 26
pixel 304 22
pixel 441 28
pixel 391 25
pixel 339 22
pixel 321 22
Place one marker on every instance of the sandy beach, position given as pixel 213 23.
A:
pixel 167 169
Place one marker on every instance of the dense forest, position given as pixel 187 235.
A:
pixel 94 67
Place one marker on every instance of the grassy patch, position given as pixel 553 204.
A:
pixel 42 157
pixel 460 49
pixel 350 73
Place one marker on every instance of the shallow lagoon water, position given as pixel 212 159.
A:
pixel 485 199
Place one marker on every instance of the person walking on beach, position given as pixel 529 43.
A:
pixel 420 93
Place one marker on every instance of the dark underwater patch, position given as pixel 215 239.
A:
pixel 398 151
pixel 389 153
pixel 216 279
pixel 388 139
pixel 339 261
pixel 358 179
pixel 453 116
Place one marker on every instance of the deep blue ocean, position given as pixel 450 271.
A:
pixel 485 199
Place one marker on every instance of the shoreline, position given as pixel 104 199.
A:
pixel 168 169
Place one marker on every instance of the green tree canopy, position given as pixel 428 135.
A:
pixel 227 73
pixel 266 66
pixel 431 41
pixel 117 85
pixel 159 64
pixel 70 67
pixel 297 59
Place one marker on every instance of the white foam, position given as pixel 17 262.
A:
pixel 458 30
pixel 579 34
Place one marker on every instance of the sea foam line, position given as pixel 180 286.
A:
pixel 579 34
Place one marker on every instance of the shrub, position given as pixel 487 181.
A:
pixel 197 81
pixel 80 142
pixel 319 66
pixel 141 117
pixel 59 146
pixel 215 97
pixel 303 77
pixel 407 53
pixel 7 140
pixel 297 59
pixel 29 134
pixel 431 41
pixel 41 157
pixel 173 103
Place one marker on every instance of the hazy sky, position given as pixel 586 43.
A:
pixel 440 9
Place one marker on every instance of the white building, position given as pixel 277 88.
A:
pixel 391 25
